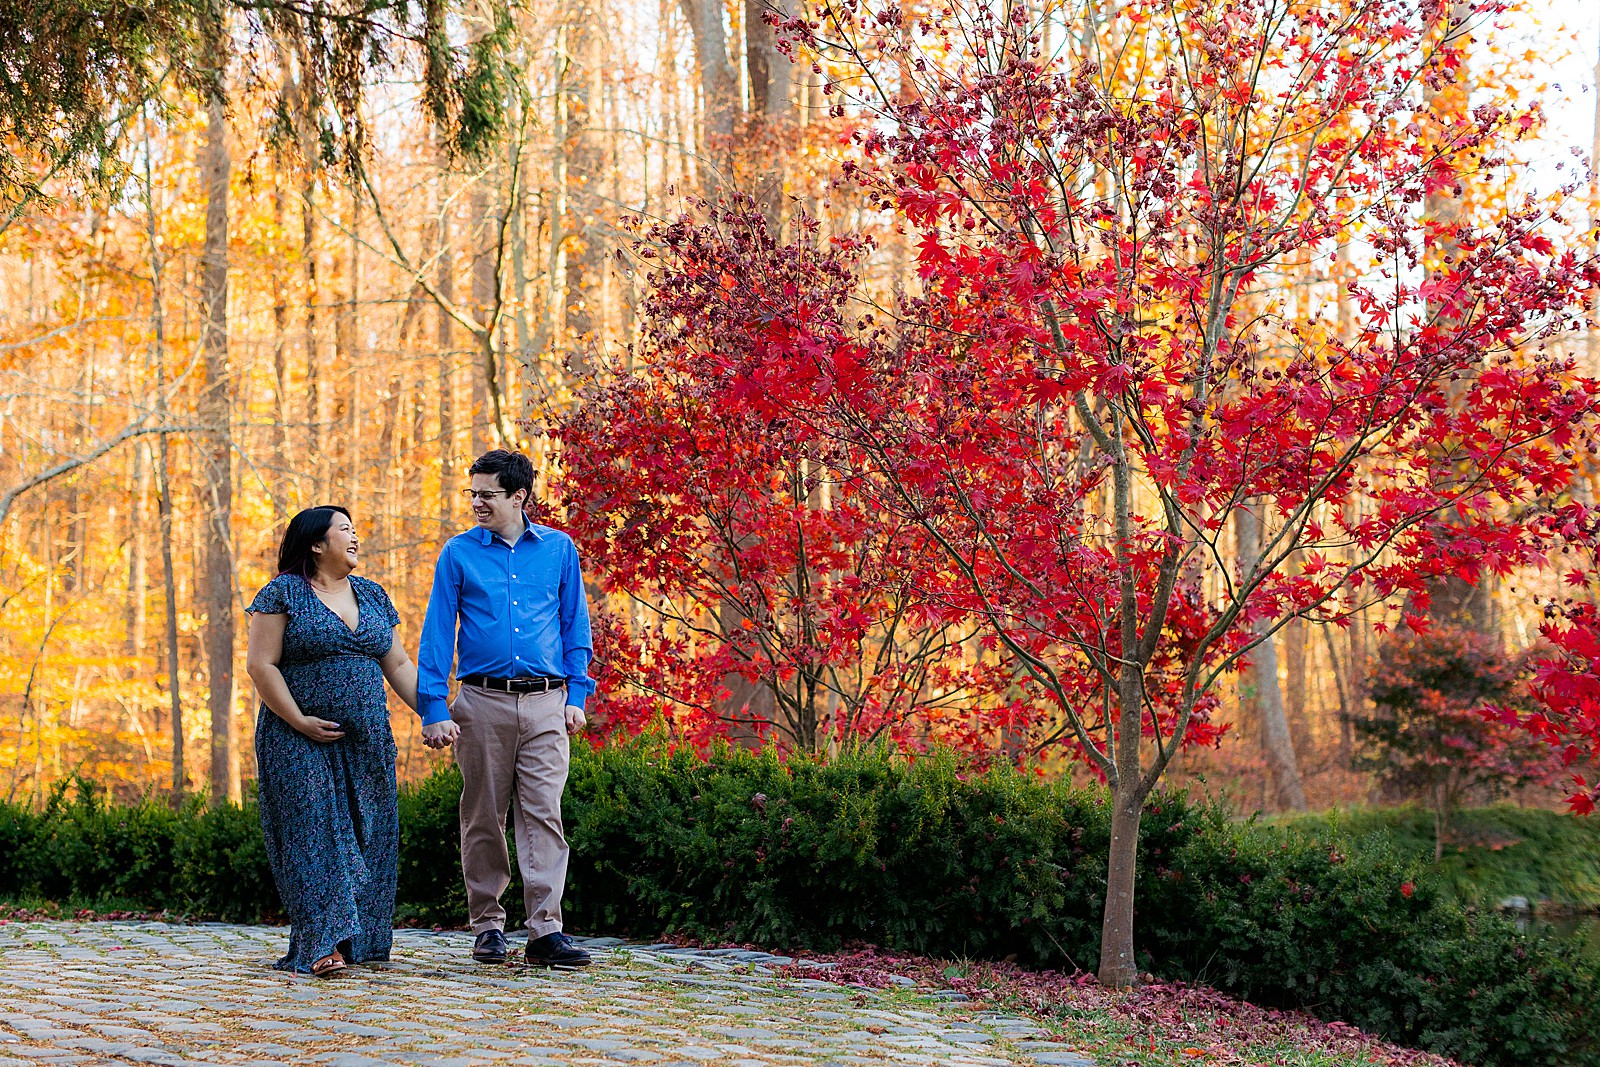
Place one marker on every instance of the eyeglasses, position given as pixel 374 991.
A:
pixel 482 494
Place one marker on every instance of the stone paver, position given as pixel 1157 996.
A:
pixel 89 995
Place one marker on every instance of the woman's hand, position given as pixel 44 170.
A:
pixel 318 729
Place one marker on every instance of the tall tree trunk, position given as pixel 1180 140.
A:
pixel 1277 746
pixel 352 358
pixel 770 73
pixel 483 296
pixel 308 261
pixel 280 358
pixel 446 285
pixel 155 365
pixel 1594 223
pixel 169 586
pixel 582 91
pixel 217 452
pixel 1453 598
pixel 138 509
pixel 719 88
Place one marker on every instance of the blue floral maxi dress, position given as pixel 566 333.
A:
pixel 329 811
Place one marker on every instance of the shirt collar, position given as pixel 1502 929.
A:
pixel 530 529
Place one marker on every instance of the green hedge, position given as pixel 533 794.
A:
pixel 1494 852
pixel 919 858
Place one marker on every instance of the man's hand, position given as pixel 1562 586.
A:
pixel 440 734
pixel 575 718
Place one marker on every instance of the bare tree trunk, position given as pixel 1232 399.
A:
pixel 217 453
pixel 1277 746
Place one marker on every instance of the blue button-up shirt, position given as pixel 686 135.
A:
pixel 505 610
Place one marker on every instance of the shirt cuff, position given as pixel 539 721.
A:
pixel 433 709
pixel 576 695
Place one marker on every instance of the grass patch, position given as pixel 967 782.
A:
pixel 1552 859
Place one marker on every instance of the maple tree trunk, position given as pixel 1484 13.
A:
pixel 217 453
pixel 1118 968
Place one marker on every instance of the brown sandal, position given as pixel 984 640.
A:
pixel 329 965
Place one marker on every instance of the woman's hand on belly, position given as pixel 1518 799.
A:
pixel 316 729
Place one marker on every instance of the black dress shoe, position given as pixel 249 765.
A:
pixel 555 950
pixel 490 947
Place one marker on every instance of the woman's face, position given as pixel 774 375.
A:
pixel 339 549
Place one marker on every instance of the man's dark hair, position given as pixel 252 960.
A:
pixel 305 531
pixel 512 470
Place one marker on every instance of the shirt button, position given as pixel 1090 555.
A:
pixel 516 629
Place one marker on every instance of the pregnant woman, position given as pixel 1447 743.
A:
pixel 321 644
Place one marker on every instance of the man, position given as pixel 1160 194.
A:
pixel 508 607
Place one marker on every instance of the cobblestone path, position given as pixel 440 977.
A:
pixel 152 993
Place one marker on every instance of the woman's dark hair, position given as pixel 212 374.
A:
pixel 512 470
pixel 306 529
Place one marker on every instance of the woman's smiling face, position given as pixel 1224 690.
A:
pixel 340 548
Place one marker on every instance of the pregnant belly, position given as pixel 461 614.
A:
pixel 345 690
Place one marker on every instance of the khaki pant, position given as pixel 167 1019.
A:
pixel 513 746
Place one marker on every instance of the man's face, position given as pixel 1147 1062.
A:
pixel 497 509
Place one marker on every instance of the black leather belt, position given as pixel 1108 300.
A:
pixel 513 685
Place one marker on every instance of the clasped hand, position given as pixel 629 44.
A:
pixel 444 734
pixel 440 734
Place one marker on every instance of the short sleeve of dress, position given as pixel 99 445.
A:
pixel 273 598
pixel 390 616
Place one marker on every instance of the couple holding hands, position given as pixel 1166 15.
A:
pixel 508 610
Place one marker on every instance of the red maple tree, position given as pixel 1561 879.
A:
pixel 1097 372
pixel 769 598
pixel 1566 680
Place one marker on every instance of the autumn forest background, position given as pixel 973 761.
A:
pixel 317 263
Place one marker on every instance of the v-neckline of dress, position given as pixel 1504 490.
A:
pixel 353 596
